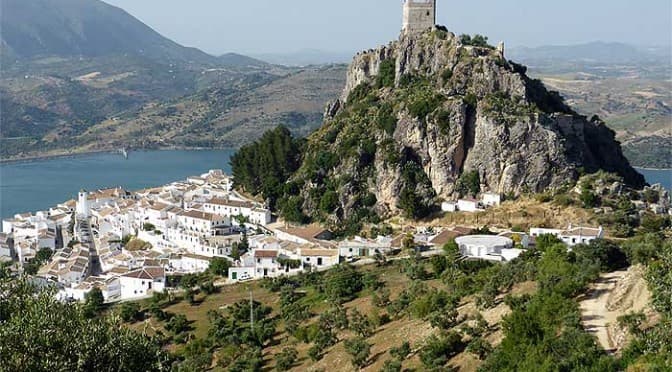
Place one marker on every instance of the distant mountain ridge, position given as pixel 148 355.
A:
pixel 89 28
pixel 598 52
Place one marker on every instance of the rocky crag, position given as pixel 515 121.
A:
pixel 434 115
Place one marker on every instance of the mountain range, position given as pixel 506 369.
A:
pixel 82 75
pixel 72 66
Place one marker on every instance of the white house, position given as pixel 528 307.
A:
pixel 319 258
pixel 142 282
pixel 266 263
pixel 468 205
pixel 360 247
pixel 487 247
pixel 204 223
pixel 572 235
pixel 303 235
pixel 491 199
pixel 449 206
pixel 232 208
pixel 189 264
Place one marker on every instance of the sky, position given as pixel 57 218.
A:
pixel 274 26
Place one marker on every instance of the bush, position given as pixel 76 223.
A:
pixel 359 350
pixel 476 40
pixel 608 254
pixel 469 183
pixel 401 352
pixel 386 75
pixel 329 202
pixel 480 348
pixel 342 283
pixel 129 312
pixel 148 226
pixel 439 349
pixel 284 361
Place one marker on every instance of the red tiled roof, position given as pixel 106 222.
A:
pixel 146 273
pixel 265 253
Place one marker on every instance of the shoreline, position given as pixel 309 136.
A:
pixel 653 169
pixel 95 152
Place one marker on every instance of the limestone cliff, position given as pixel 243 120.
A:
pixel 419 114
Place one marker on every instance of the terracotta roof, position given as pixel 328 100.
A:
pixel 444 237
pixel 230 203
pixel 582 231
pixel 319 252
pixel 265 254
pixel 201 215
pixel 146 273
pixel 306 232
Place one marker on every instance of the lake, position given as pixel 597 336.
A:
pixel 37 185
pixel 661 176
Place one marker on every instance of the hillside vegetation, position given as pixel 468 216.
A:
pixel 406 313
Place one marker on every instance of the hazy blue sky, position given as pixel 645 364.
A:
pixel 260 26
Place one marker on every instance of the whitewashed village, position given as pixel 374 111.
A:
pixel 128 243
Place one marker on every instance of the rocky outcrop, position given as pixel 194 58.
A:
pixel 420 112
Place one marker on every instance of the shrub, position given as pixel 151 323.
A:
pixel 439 349
pixel 401 352
pixel 129 311
pixel 342 283
pixel 359 350
pixel 386 74
pixel 469 183
pixel 286 359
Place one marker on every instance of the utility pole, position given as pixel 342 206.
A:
pixel 251 311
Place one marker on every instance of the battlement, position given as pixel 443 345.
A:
pixel 419 15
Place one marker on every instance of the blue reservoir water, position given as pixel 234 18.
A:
pixel 661 176
pixel 37 185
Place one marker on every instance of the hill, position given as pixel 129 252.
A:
pixel 85 28
pixel 626 85
pixel 81 75
pixel 432 117
pixel 222 108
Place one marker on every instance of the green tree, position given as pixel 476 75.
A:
pixel 360 324
pixel 43 256
pixel 129 311
pixel 469 183
pixel 401 352
pixel 40 333
pixel 264 166
pixel 359 350
pixel 94 301
pixel 439 349
pixel 392 365
pixel 607 253
pixel 589 198
pixel 219 266
pixel 480 348
pixel 342 283
pixel 284 361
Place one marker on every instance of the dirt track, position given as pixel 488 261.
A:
pixel 613 295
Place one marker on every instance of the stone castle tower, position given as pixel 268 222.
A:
pixel 419 15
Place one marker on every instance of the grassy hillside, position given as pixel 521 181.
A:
pixel 153 106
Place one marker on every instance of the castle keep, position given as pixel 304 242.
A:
pixel 419 15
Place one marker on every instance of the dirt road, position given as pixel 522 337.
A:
pixel 614 294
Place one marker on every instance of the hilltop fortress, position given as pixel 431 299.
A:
pixel 419 16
